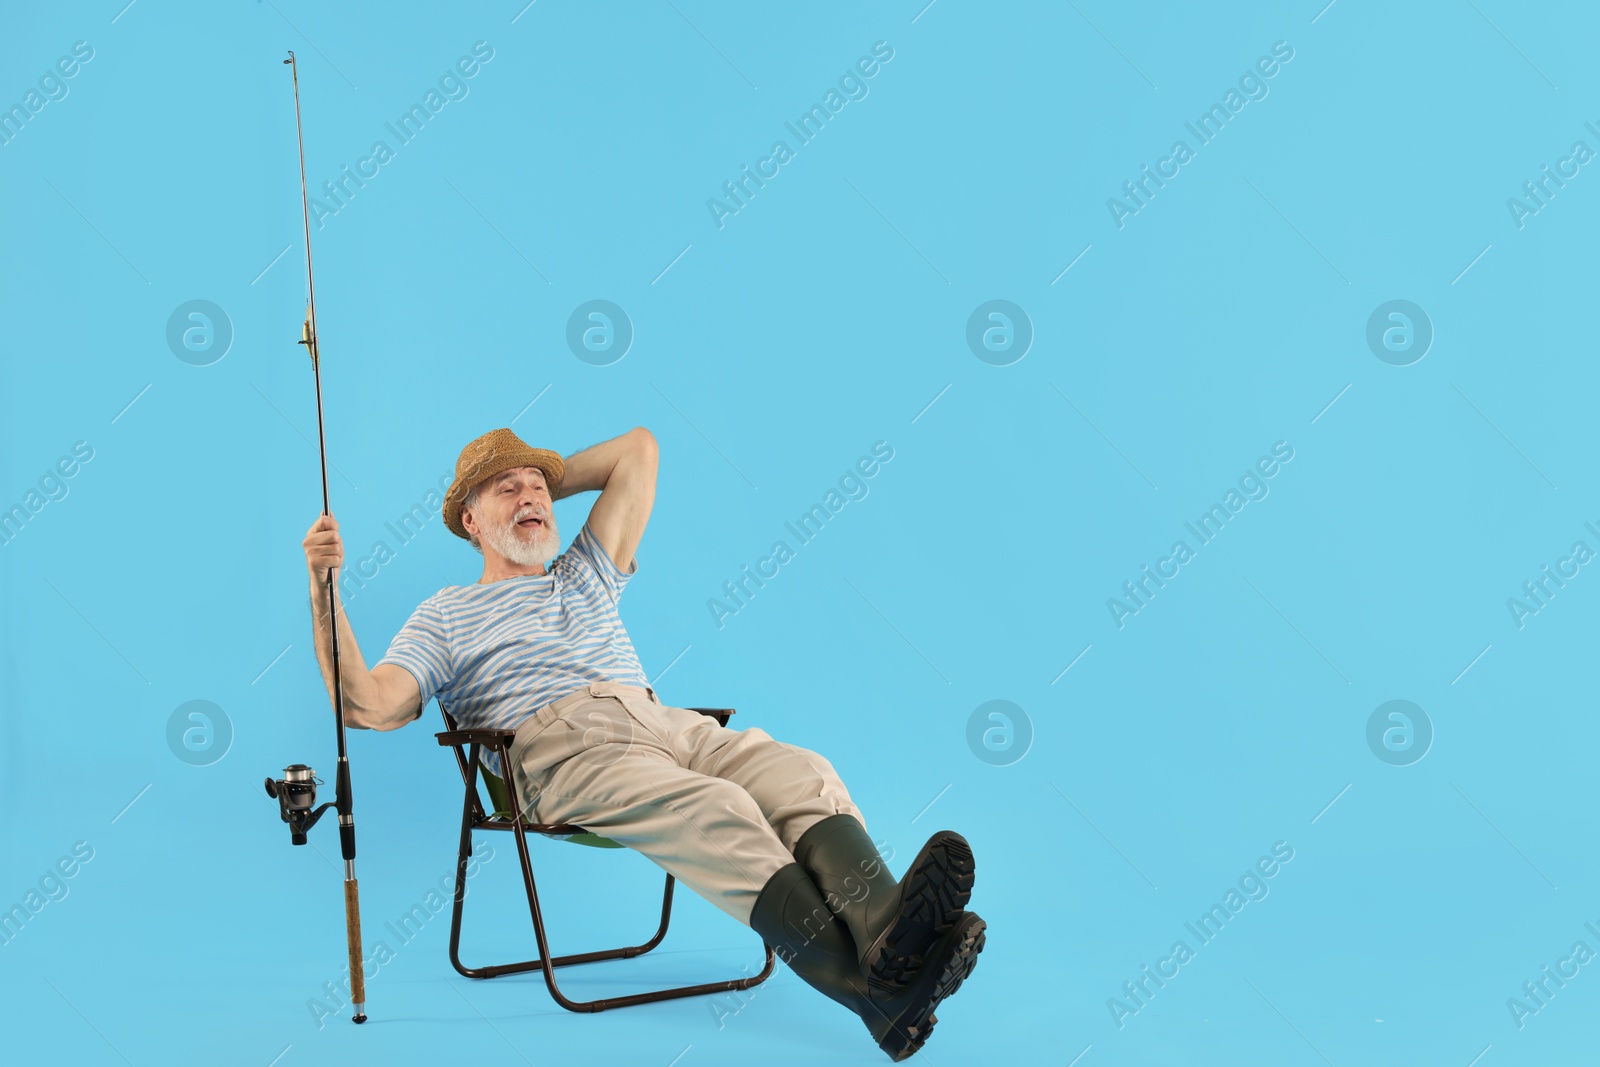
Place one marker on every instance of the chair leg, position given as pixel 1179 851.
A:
pixel 547 964
pixel 666 917
pixel 458 905
pixel 469 814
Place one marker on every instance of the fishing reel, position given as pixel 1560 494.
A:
pixel 296 794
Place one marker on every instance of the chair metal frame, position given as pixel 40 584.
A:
pixel 469 746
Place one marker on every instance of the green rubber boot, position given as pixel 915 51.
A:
pixel 894 924
pixel 790 916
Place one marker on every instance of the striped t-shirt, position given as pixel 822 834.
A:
pixel 497 652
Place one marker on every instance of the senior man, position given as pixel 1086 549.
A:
pixel 764 830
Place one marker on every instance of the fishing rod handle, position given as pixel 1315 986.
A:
pixel 352 922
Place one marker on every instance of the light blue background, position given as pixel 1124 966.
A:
pixel 1228 314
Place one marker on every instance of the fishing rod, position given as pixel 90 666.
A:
pixel 296 791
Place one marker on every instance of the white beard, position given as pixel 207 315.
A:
pixel 507 540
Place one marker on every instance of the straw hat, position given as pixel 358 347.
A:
pixel 496 451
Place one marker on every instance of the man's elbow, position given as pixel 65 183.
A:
pixel 644 442
pixel 395 717
pixel 392 700
pixel 361 718
pixel 360 722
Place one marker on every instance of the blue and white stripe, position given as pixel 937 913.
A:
pixel 496 653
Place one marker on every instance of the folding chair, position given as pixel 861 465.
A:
pixel 507 815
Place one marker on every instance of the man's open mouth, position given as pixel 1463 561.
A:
pixel 529 523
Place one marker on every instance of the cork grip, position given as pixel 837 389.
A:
pixel 352 918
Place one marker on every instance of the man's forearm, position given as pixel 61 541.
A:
pixel 360 690
pixel 590 469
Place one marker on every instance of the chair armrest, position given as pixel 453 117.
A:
pixel 720 714
pixel 468 737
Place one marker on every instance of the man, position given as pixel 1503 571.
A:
pixel 764 830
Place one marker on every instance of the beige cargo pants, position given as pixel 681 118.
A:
pixel 718 808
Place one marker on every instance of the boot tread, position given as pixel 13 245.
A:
pixel 934 893
pixel 910 1029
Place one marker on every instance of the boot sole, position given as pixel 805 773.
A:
pixel 911 1030
pixel 933 895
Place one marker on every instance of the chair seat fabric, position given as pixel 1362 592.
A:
pixel 500 798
